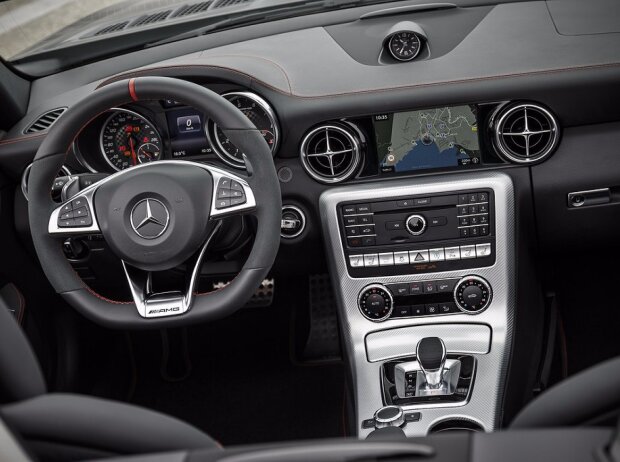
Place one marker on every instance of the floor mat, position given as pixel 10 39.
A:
pixel 243 388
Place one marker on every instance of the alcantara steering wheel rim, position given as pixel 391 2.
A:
pixel 181 187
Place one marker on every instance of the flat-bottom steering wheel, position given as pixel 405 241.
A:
pixel 156 216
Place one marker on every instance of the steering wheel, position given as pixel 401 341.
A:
pixel 156 216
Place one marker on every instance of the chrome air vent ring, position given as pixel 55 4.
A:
pixel 331 153
pixel 524 133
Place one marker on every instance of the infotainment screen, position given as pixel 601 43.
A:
pixel 427 139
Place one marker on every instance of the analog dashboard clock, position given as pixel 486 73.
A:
pixel 405 45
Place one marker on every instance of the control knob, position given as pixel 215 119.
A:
pixel 375 302
pixel 416 224
pixel 472 294
pixel 389 416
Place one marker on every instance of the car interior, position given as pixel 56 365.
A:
pixel 312 230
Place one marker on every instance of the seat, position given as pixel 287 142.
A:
pixel 588 398
pixel 66 427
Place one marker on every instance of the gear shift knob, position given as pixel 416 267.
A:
pixel 431 355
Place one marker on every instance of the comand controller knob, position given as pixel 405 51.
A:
pixel 472 294
pixel 416 224
pixel 389 416
pixel 375 302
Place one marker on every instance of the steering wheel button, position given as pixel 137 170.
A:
pixel 83 222
pixel 66 216
pixel 81 212
pixel 224 183
pixel 66 208
pixel 77 203
pixel 236 193
pixel 222 203
pixel 237 201
pixel 236 185
pixel 66 223
pixel 224 193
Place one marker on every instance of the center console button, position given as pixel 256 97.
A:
pixel 429 288
pixel 453 253
pixel 438 221
pixel 401 258
pixel 363 208
pixel 432 308
pixel 394 225
pixel 348 209
pixel 418 256
pixel 400 289
pixel 356 261
pixel 437 255
pixel 445 286
pixel 483 250
pixel 365 230
pixel 368 241
pixel 386 259
pixel 364 219
pixel 468 251
pixel 402 311
pixel 418 310
pixel 416 288
pixel 371 259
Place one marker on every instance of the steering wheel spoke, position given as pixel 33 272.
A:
pixel 152 304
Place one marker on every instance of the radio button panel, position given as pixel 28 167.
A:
pixel 426 234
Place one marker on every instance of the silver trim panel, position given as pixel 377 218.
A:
pixel 459 339
pixel 484 406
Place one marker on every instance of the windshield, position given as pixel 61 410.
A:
pixel 26 23
pixel 31 29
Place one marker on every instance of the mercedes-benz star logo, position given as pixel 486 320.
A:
pixel 149 218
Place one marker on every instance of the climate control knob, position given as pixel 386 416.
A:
pixel 416 224
pixel 375 302
pixel 472 294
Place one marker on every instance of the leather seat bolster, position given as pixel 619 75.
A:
pixel 106 426
pixel 581 399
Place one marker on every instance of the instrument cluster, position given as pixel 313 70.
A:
pixel 167 129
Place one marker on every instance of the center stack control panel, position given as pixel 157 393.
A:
pixel 419 234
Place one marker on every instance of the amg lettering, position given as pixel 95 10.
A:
pixel 165 310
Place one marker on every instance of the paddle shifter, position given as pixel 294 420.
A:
pixel 431 355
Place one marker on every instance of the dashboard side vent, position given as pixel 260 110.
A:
pixel 45 120
pixel 331 153
pixel 151 18
pixel 113 28
pixel 224 3
pixel 525 132
pixel 194 8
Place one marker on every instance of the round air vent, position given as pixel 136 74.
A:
pixel 525 132
pixel 331 153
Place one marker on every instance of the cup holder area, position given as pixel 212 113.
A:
pixel 456 425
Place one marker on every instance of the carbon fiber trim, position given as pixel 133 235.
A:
pixel 485 404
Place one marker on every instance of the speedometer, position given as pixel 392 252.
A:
pixel 262 116
pixel 129 139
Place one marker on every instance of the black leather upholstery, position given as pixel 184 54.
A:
pixel 590 397
pixel 70 425
pixel 20 374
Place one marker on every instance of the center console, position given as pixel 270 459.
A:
pixel 424 276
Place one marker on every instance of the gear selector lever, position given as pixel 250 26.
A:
pixel 431 355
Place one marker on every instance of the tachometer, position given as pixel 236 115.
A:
pixel 129 139
pixel 260 113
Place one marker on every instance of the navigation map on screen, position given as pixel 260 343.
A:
pixel 427 139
